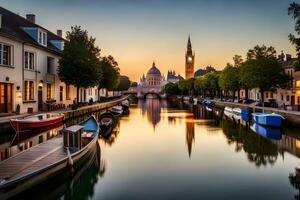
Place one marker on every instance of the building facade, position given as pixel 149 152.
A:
pixel 29 60
pixel 189 61
pixel 172 77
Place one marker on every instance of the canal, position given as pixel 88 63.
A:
pixel 171 150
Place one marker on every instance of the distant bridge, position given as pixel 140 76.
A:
pixel 144 91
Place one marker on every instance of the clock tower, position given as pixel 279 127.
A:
pixel 189 61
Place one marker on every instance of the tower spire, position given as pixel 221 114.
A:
pixel 189 45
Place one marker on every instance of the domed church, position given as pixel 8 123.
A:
pixel 153 78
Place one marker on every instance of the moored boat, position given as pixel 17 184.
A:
pixel 116 110
pixel 266 119
pixel 36 121
pixel 125 105
pixel 107 122
pixel 37 164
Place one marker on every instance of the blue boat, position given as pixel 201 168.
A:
pixel 265 119
pixel 267 132
pixel 246 115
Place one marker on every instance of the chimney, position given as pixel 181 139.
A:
pixel 288 57
pixel 31 18
pixel 59 33
pixel 0 21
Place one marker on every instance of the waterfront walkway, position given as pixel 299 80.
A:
pixel 32 159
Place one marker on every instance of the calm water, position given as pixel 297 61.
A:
pixel 175 151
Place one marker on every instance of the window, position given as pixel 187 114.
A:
pixel 297 83
pixel 49 91
pixel 272 96
pixel 29 60
pixel 267 94
pixel 42 38
pixel 29 90
pixel 5 54
pixel 287 98
pixel 41 139
pixel 50 65
pixel 68 92
pixel 281 97
pixel 61 89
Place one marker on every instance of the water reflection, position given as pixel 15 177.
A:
pixel 259 150
pixel 189 132
pixel 151 108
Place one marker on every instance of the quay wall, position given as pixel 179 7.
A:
pixel 292 118
pixel 69 114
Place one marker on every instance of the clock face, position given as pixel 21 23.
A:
pixel 190 59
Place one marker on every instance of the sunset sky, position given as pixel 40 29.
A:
pixel 138 32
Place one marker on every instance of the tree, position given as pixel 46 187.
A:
pixel 264 73
pixel 199 85
pixel 261 52
pixel 294 11
pixel 172 89
pixel 79 64
pixel 238 60
pixel 133 84
pixel 111 73
pixel 124 83
pixel 229 79
pixel 186 86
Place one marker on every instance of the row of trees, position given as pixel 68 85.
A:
pixel 82 66
pixel 260 70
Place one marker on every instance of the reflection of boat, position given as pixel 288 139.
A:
pixel 245 113
pixel 107 122
pixel 116 110
pixel 273 120
pixel 267 132
pixel 37 164
pixel 36 121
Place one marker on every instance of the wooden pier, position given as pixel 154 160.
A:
pixel 32 159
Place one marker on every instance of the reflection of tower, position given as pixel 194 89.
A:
pixel 190 133
pixel 189 61
pixel 153 111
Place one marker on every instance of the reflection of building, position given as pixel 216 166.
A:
pixel 289 144
pixel 189 61
pixel 152 108
pixel 190 133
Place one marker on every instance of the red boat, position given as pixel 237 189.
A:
pixel 36 121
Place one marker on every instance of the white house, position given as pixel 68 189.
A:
pixel 29 56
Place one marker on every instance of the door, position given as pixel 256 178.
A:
pixel 5 98
pixel 40 99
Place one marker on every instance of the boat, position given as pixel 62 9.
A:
pixel 246 115
pixel 36 164
pixel 208 103
pixel 267 132
pixel 116 110
pixel 266 119
pixel 208 108
pixel 107 122
pixel 228 112
pixel 125 105
pixel 36 121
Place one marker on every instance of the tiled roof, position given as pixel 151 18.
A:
pixel 12 27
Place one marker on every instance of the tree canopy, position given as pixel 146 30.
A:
pixel 186 86
pixel 230 79
pixel 124 83
pixel 261 52
pixel 172 89
pixel 294 11
pixel 79 64
pixel 133 84
pixel 111 73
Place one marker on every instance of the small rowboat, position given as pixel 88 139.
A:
pixel 266 119
pixel 107 122
pixel 116 110
pixel 36 121
pixel 35 165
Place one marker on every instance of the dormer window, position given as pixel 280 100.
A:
pixel 42 38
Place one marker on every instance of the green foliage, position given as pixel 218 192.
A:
pixel 133 84
pixel 265 74
pixel 172 89
pixel 238 60
pixel 124 83
pixel 229 79
pixel 261 52
pixel 79 64
pixel 186 86
pixel 296 65
pixel 209 82
pixel 111 73
pixel 294 11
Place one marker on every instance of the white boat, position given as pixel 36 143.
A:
pixel 116 110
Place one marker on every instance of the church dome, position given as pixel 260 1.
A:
pixel 154 71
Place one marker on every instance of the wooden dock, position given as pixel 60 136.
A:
pixel 32 159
